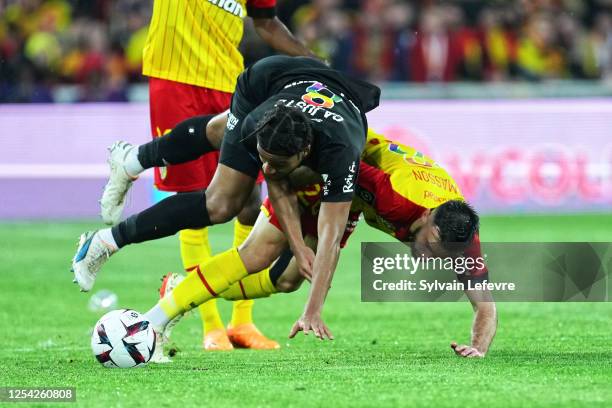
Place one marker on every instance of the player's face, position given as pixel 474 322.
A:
pixel 427 239
pixel 275 166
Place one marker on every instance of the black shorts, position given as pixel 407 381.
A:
pixel 236 153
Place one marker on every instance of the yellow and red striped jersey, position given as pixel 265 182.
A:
pixel 397 183
pixel 196 41
pixel 395 187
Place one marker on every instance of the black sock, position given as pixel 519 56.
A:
pixel 280 265
pixel 187 141
pixel 169 216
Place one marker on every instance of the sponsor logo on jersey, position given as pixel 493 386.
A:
pixel 349 180
pixel 385 224
pixel 232 121
pixel 365 195
pixel 230 6
pixel 433 196
pixel 318 95
pixel 396 149
pixel 315 102
pixel 326 184
pixel 377 221
pixel 419 159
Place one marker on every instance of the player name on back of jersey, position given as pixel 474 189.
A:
pixel 231 6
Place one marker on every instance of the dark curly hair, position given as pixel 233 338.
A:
pixel 458 224
pixel 284 131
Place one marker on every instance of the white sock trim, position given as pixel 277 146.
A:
pixel 157 317
pixel 106 235
pixel 132 165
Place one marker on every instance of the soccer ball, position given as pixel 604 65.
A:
pixel 123 338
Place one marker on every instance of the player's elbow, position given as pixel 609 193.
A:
pixel 264 27
pixel 221 210
pixel 331 240
pixel 249 213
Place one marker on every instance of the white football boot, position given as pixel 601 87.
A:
pixel 169 282
pixel 119 182
pixel 91 254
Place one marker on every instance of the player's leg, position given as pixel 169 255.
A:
pixel 282 277
pixel 261 248
pixel 266 282
pixel 195 250
pixel 242 331
pixel 225 197
pixel 223 200
pixel 215 334
pixel 187 141
pixel 229 190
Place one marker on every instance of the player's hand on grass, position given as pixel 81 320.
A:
pixel 312 323
pixel 305 259
pixel 463 350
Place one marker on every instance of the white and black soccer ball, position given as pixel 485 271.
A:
pixel 123 338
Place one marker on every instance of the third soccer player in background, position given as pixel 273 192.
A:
pixel 192 60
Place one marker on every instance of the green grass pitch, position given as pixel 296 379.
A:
pixel 384 354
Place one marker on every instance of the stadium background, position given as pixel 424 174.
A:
pixel 513 97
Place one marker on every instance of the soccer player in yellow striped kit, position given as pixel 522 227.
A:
pixel 192 60
pixel 400 192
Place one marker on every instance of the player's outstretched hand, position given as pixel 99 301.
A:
pixel 305 259
pixel 311 323
pixel 466 351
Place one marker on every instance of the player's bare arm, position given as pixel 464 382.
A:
pixel 285 202
pixel 278 36
pixel 484 325
pixel 331 225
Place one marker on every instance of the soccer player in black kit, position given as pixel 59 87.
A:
pixel 285 112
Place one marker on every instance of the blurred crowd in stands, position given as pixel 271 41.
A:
pixel 96 45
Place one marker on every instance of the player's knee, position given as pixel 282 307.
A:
pixel 215 130
pixel 257 257
pixel 221 210
pixel 287 286
pixel 249 213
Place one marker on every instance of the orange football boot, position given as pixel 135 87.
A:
pixel 217 340
pixel 248 336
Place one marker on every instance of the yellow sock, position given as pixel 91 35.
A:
pixel 195 250
pixel 241 232
pixel 209 279
pixel 169 306
pixel 256 285
pixel 242 310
